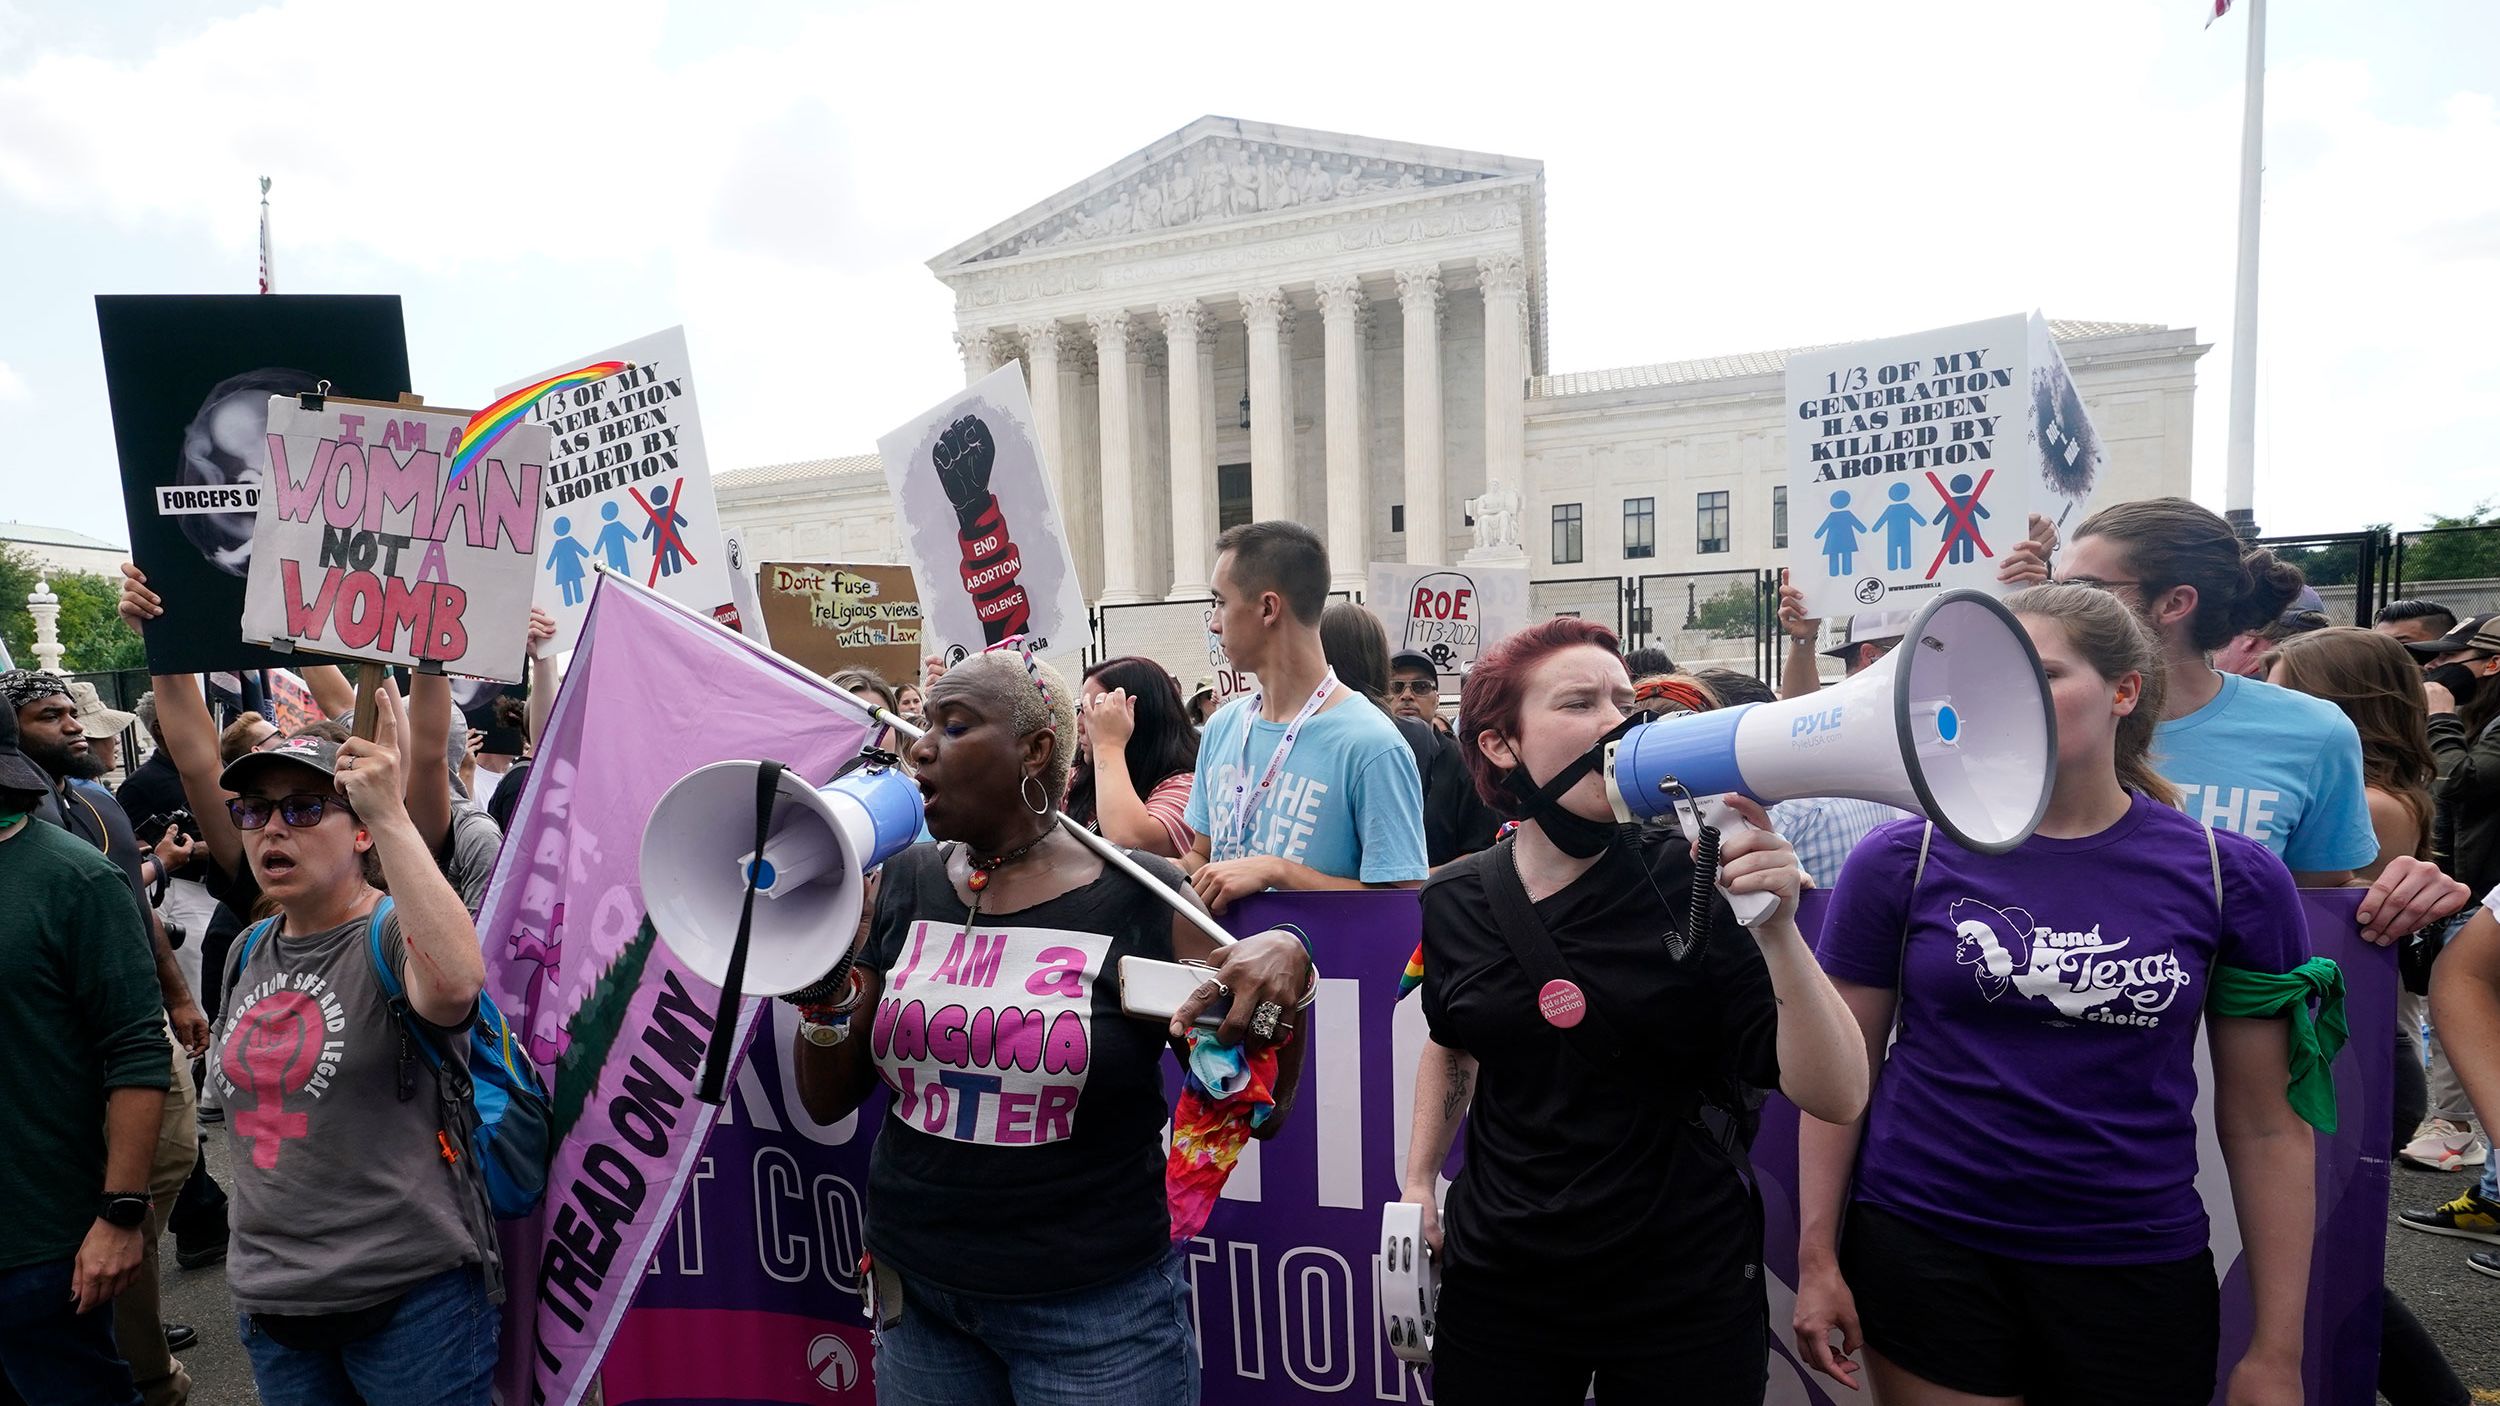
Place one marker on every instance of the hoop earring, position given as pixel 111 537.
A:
pixel 1032 786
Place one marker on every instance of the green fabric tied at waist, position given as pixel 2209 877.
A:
pixel 2257 995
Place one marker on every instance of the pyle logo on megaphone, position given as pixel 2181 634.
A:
pixel 1956 725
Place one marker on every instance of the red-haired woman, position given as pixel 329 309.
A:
pixel 1604 1224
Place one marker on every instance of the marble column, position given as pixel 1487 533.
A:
pixel 1115 351
pixel 1185 325
pixel 1504 279
pixel 1427 488
pixel 1349 475
pixel 980 352
pixel 1266 313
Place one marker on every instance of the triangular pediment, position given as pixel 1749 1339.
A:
pixel 1219 170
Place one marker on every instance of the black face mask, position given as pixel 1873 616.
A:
pixel 2459 679
pixel 1574 834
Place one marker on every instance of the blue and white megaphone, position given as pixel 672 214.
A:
pixel 1956 725
pixel 698 848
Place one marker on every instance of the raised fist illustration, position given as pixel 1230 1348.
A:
pixel 963 458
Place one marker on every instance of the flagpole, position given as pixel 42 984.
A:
pixel 268 272
pixel 2240 487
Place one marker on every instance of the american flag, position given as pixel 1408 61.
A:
pixel 2220 7
pixel 268 274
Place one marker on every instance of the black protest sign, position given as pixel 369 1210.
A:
pixel 190 379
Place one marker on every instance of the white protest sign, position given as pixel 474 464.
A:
pixel 1914 462
pixel 748 617
pixel 981 528
pixel 1230 682
pixel 366 548
pixel 630 488
pixel 1452 613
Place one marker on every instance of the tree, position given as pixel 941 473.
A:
pixel 2443 552
pixel 1731 614
pixel 93 637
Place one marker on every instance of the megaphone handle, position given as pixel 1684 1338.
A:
pixel 1750 908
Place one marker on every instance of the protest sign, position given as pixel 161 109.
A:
pixel 614 1021
pixel 1927 454
pixel 754 1297
pixel 190 380
pixel 629 487
pixel 829 616
pixel 748 617
pixel 369 547
pixel 980 524
pixel 1453 614
pixel 1230 682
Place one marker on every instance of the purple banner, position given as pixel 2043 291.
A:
pixel 752 1294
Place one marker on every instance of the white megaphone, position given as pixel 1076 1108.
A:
pixel 699 846
pixel 1955 724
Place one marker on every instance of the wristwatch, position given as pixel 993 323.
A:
pixel 826 1034
pixel 124 1209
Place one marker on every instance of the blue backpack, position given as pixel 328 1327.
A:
pixel 498 1110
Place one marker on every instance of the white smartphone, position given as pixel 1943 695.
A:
pixel 1155 990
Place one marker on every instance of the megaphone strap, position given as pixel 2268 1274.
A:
pixel 733 981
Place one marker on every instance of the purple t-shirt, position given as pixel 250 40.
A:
pixel 2039 1101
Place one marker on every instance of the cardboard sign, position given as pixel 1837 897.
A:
pixel 368 548
pixel 1913 462
pixel 830 617
pixel 629 487
pixel 981 527
pixel 1453 614
pixel 190 380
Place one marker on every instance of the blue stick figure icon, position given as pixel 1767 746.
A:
pixel 665 521
pixel 1895 523
pixel 1839 535
pixel 615 540
pixel 565 560
pixel 1962 540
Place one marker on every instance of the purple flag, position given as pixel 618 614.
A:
pixel 615 1023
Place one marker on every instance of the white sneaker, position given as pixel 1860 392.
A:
pixel 2444 1146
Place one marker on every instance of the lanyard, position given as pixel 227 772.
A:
pixel 1236 836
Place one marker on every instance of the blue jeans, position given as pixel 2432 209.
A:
pixel 437 1350
pixel 2490 1189
pixel 1125 1343
pixel 49 1352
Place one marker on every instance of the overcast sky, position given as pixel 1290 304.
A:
pixel 543 180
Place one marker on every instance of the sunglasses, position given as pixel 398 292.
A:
pixel 301 811
pixel 1406 688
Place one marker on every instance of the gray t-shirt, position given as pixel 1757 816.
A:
pixel 342 1199
pixel 469 859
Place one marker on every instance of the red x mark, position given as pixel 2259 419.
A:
pixel 1965 522
pixel 668 537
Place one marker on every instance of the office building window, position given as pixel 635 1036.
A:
pixel 1710 522
pixel 1566 533
pixel 1779 516
pixel 1640 527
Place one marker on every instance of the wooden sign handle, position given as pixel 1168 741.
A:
pixel 369 677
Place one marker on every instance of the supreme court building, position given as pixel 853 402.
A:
pixel 1246 321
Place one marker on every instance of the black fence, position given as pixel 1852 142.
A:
pixel 2359 573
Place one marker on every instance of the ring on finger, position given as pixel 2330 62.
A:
pixel 1264 1020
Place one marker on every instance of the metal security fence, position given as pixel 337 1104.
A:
pixel 1705 619
pixel 1588 597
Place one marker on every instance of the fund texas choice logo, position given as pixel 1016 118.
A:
pixel 2081 975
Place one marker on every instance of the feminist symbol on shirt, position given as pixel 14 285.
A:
pixel 273 1052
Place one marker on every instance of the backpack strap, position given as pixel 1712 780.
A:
pixel 2213 853
pixel 1533 946
pixel 242 953
pixel 1901 972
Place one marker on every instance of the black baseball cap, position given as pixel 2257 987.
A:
pixel 1414 659
pixel 16 772
pixel 319 753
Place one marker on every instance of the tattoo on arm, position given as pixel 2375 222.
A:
pixel 1462 1078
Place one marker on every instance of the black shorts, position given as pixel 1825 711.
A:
pixel 1490 1348
pixel 2053 1334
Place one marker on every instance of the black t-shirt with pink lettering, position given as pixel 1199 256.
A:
pixel 1023 1148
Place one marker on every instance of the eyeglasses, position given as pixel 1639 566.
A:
pixel 1414 688
pixel 301 811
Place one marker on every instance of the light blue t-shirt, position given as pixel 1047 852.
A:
pixel 1348 802
pixel 2281 767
